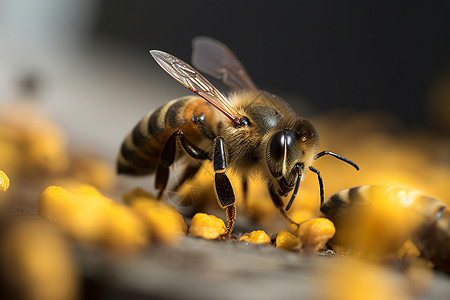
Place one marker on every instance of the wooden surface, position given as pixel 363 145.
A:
pixel 201 269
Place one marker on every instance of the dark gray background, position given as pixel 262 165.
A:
pixel 357 55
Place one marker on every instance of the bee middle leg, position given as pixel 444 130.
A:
pixel 224 190
pixel 280 206
pixel 168 157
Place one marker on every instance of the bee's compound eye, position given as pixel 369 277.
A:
pixel 245 121
pixel 301 136
pixel 278 145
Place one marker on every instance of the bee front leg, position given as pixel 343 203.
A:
pixel 280 206
pixel 223 188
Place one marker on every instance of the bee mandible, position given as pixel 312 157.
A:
pixel 251 131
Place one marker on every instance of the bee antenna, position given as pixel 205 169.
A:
pixel 319 177
pixel 338 157
pixel 297 185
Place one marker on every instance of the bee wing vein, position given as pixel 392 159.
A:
pixel 214 58
pixel 193 80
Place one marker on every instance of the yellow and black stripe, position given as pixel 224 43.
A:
pixel 141 149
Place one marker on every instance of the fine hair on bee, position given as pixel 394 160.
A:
pixel 250 131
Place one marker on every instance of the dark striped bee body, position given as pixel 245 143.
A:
pixel 250 131
pixel 141 149
pixel 426 219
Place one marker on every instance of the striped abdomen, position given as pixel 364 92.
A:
pixel 141 149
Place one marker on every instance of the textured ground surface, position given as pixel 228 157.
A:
pixel 201 269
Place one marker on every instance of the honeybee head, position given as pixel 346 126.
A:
pixel 290 152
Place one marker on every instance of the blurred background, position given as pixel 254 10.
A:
pixel 374 77
pixel 87 61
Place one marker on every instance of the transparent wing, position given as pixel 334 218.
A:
pixel 193 80
pixel 214 58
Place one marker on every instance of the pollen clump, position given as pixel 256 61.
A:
pixel 4 181
pixel 30 143
pixel 93 171
pixel 314 234
pixel 88 216
pixel 163 222
pixel 299 216
pixel 36 262
pixel 124 230
pixel 207 226
pixel 255 237
pixel 286 240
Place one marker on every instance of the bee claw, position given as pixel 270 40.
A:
pixel 225 236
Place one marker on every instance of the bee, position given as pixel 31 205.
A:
pixel 428 219
pixel 250 131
